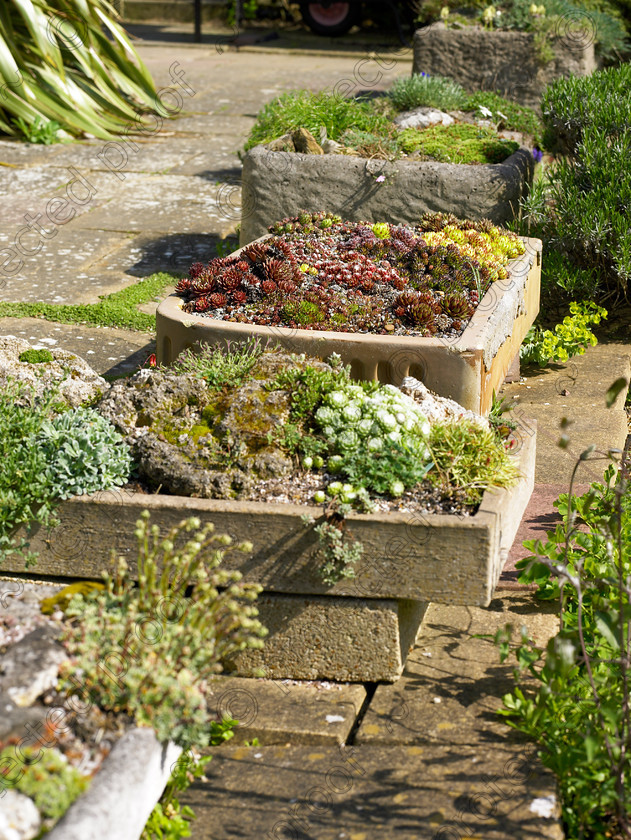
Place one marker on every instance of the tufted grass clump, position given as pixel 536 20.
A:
pixel 220 366
pixel 313 111
pixel 469 456
pixel 410 92
pixel 149 650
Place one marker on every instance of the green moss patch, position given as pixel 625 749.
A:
pixel 36 357
pixel 118 309
pixel 458 143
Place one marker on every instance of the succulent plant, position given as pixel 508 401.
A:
pixel 355 276
pixel 456 306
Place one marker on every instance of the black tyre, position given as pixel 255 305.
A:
pixel 330 18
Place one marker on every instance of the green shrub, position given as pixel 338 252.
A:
pixel 313 111
pixel 581 208
pixel 174 629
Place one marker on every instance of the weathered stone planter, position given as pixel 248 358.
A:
pixel 503 61
pixel 123 793
pixel 358 630
pixel 280 184
pixel 467 370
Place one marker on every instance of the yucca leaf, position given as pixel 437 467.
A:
pixel 97 86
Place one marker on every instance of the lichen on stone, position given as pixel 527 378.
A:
pixel 191 440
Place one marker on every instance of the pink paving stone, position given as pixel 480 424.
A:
pixel 540 516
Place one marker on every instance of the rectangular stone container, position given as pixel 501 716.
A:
pixel 280 184
pixel 358 629
pixel 467 370
pixel 505 61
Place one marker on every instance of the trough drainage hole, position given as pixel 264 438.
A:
pixel 370 693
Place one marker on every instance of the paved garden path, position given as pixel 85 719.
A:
pixel 427 757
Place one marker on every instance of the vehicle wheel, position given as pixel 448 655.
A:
pixel 330 18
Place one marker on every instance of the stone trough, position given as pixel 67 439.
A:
pixel 468 369
pixel 505 60
pixel 356 630
pixel 280 184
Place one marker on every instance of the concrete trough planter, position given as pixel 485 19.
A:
pixel 358 629
pixel 504 61
pixel 280 184
pixel 467 370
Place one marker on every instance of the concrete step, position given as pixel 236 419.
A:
pixel 431 760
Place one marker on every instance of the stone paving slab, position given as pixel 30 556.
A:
pixel 31 180
pixel 144 254
pixel 286 711
pixel 150 186
pixel 577 391
pixel 62 269
pixel 155 154
pixel 432 792
pixel 107 350
pixel 16 153
pixel 222 165
pixel 453 683
pixel 140 215
pixel 215 123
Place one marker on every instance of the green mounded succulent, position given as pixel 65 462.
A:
pixel 46 777
pixel 362 427
pixel 83 453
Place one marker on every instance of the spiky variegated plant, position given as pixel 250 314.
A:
pixel 69 61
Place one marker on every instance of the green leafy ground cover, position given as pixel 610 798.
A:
pixel 118 309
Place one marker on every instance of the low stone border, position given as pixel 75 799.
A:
pixel 468 369
pixel 504 61
pixel 280 184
